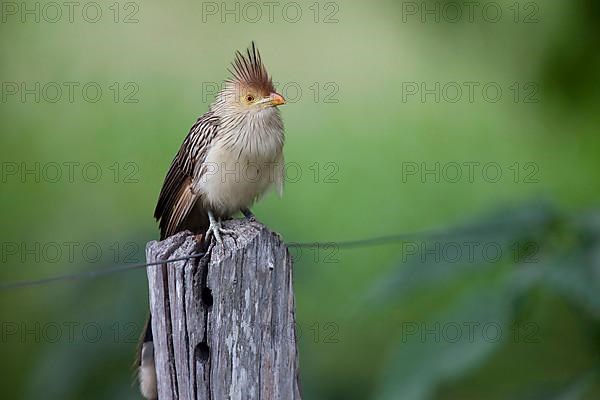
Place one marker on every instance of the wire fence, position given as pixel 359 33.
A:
pixel 479 229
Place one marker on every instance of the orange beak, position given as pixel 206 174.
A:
pixel 277 99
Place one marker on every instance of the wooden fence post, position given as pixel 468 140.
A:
pixel 224 324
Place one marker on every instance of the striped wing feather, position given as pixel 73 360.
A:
pixel 177 199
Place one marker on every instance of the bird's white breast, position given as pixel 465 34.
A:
pixel 236 173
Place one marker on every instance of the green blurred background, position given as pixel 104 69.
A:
pixel 374 322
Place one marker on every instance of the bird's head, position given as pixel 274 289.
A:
pixel 250 90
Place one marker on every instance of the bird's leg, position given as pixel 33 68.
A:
pixel 216 229
pixel 248 214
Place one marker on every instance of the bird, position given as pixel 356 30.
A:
pixel 232 155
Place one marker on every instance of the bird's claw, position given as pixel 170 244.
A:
pixel 215 229
pixel 248 215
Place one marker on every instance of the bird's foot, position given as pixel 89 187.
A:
pixel 248 214
pixel 215 229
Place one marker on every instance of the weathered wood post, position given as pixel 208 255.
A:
pixel 224 324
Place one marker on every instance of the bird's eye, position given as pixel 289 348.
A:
pixel 249 98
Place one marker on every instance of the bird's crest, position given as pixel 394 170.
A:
pixel 249 70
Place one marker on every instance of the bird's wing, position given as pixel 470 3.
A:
pixel 177 197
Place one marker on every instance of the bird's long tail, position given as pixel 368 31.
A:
pixel 145 359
